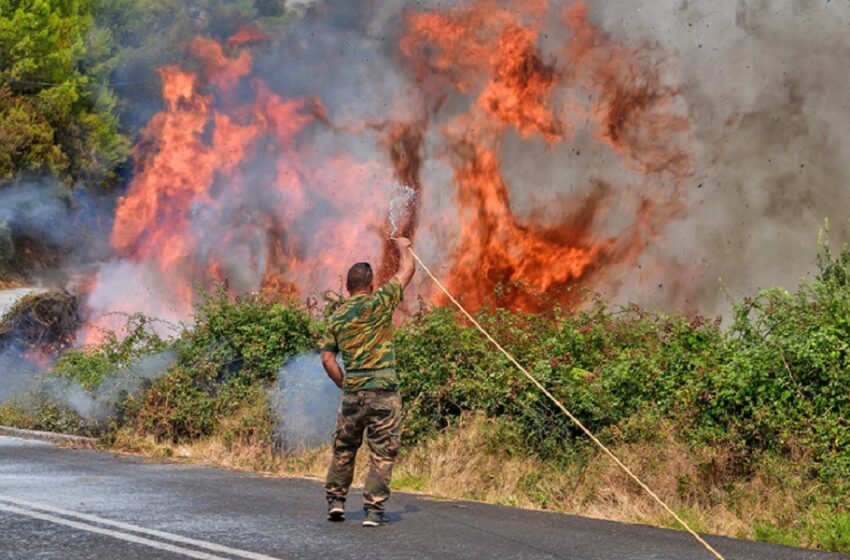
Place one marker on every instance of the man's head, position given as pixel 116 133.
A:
pixel 359 278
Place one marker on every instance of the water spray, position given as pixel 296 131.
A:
pixel 402 202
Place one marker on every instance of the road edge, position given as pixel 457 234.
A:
pixel 52 437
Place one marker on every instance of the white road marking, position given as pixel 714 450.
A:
pixel 129 527
pixel 109 532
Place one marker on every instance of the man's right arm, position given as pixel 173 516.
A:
pixel 332 367
pixel 406 264
pixel 330 349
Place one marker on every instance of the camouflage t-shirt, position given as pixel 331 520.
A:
pixel 361 330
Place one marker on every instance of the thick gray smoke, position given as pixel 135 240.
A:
pixel 306 402
pixel 35 210
pixel 55 233
pixel 765 82
pixel 17 374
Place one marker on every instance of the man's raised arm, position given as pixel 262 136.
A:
pixel 406 264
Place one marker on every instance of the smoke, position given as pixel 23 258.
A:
pixel 306 402
pixel 36 214
pixel 125 287
pixel 765 83
pixel 99 404
pixel 35 210
pixel 18 374
pixel 275 176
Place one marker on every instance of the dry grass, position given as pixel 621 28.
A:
pixel 217 451
pixel 470 462
pixel 704 486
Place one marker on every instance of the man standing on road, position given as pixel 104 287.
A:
pixel 362 330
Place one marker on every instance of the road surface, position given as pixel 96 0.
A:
pixel 8 298
pixel 83 504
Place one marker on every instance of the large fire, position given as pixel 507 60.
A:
pixel 230 186
pixel 491 54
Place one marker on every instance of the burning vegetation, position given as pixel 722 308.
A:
pixel 39 328
pixel 237 184
pixel 531 149
pixel 491 56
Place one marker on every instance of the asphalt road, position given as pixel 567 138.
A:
pixel 81 504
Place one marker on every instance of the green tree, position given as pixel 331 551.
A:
pixel 57 115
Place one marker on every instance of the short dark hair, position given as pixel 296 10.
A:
pixel 359 277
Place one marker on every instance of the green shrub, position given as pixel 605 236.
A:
pixel 605 366
pixel 235 348
pixel 89 366
pixel 173 408
pixel 38 411
pixel 247 338
pixel 251 425
pixel 776 379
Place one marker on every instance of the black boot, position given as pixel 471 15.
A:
pixel 336 508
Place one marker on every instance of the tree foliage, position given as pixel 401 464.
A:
pixel 56 110
pixel 78 77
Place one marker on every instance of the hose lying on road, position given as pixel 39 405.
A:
pixel 569 414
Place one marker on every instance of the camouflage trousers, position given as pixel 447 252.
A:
pixel 377 414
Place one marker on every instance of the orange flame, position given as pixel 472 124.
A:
pixel 249 34
pixel 231 188
pixel 491 53
pixel 191 213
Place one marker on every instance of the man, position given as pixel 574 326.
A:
pixel 361 329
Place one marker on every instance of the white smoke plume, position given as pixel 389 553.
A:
pixel 306 401
pixel 66 221
pixel 99 404
pixel 17 374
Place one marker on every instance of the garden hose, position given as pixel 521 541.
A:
pixel 563 409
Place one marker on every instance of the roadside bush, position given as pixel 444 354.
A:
pixel 778 377
pixel 175 407
pixel 235 346
pixel 248 336
pixel 605 366
pixel 90 366
pixel 37 411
